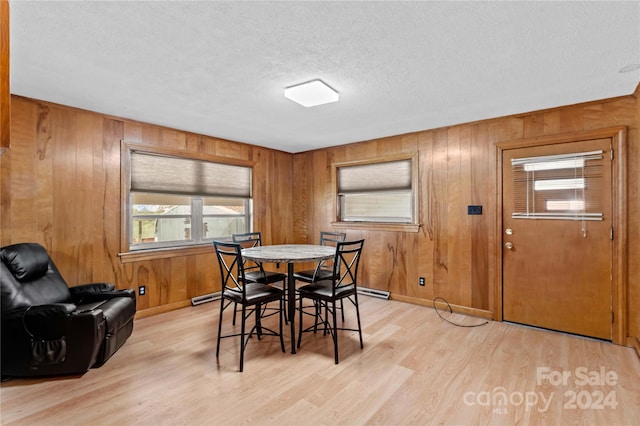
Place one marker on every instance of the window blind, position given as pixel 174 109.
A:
pixel 565 186
pixel 375 177
pixel 176 175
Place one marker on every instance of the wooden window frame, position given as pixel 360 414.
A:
pixel 380 226
pixel 128 255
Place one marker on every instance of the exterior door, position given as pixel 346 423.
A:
pixel 557 237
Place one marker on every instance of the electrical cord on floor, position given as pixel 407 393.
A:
pixel 451 311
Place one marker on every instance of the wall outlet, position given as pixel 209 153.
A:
pixel 474 209
pixel 421 281
pixel 142 290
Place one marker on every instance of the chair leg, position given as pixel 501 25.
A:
pixel 285 285
pixel 300 323
pixel 258 322
pixel 220 326
pixel 242 342
pixel 335 332
pixel 342 309
pixel 281 315
pixel 318 305
pixel 355 297
pixel 235 311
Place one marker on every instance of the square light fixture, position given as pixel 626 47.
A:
pixel 311 93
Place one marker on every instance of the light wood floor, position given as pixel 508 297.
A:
pixel 414 369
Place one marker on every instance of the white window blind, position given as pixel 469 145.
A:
pixel 376 192
pixel 387 176
pixel 157 173
pixel 565 186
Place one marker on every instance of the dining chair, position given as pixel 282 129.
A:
pixel 254 272
pixel 252 297
pixel 341 285
pixel 324 269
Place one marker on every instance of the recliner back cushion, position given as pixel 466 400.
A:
pixel 27 261
pixel 29 277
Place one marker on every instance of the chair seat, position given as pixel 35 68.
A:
pixel 256 293
pixel 308 275
pixel 322 290
pixel 266 277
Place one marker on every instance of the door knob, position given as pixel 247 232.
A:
pixel 508 245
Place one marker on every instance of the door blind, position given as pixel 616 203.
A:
pixel 564 187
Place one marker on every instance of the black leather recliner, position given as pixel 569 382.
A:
pixel 49 328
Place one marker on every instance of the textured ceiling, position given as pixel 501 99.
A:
pixel 220 68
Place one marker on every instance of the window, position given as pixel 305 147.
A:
pixel 565 186
pixel 178 201
pixel 377 192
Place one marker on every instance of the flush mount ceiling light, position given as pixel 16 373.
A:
pixel 311 93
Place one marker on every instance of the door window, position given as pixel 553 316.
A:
pixel 566 186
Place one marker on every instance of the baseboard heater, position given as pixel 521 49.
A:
pixel 374 293
pixel 199 300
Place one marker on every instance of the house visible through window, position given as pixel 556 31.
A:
pixel 178 201
pixel 377 192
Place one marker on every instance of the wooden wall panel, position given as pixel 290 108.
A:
pixel 439 195
pixel 482 235
pixel 21 182
pixel 107 265
pixel 633 225
pixel 5 90
pixel 425 240
pixel 61 180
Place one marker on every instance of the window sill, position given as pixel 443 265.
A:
pixel 163 253
pixel 373 226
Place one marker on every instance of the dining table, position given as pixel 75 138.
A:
pixel 289 254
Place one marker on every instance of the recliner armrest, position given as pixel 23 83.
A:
pixel 88 293
pixel 128 292
pixel 93 288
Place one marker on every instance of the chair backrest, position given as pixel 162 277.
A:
pixel 248 239
pixel 229 257
pixel 331 238
pixel 346 263
pixel 29 277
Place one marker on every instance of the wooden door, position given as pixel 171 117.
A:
pixel 557 256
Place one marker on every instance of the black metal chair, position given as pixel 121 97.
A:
pixel 254 272
pixel 251 296
pixel 341 285
pixel 324 269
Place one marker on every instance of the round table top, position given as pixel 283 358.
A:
pixel 289 253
